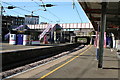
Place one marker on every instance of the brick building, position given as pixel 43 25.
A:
pixel 11 22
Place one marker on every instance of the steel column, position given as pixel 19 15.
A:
pixel 101 37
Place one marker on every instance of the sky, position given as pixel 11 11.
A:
pixel 62 12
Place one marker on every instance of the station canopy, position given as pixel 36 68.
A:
pixel 93 11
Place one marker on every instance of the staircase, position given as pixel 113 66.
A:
pixel 45 31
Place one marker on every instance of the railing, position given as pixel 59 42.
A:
pixel 64 26
pixel 45 31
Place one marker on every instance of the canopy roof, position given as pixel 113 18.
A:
pixel 93 11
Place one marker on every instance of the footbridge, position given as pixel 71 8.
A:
pixel 64 26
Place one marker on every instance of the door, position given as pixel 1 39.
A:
pixel 20 39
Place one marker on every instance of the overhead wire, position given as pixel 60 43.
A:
pixel 5 12
pixel 77 12
pixel 17 12
pixel 35 2
pixel 27 11
pixel 43 4
pixel 23 6
pixel 54 15
pixel 43 7
pixel 51 12
pixel 17 7
pixel 39 5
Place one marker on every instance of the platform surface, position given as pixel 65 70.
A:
pixel 6 47
pixel 84 67
pixel 79 66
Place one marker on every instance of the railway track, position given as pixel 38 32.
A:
pixel 28 64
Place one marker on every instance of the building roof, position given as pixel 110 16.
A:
pixel 7 16
pixel 31 16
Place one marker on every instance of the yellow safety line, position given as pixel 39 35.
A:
pixel 62 65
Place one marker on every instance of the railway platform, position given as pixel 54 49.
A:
pixel 6 47
pixel 80 65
